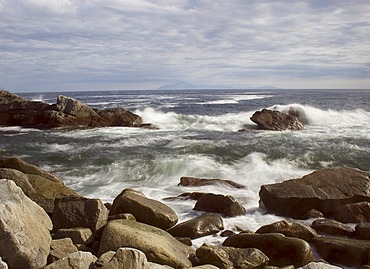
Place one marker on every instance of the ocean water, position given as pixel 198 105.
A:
pixel 202 133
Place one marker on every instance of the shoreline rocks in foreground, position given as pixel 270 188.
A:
pixel 66 112
pixel 79 234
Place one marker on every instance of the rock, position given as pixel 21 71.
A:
pixel 76 260
pixel 42 187
pixel 61 248
pixel 276 121
pixel 145 210
pixel 78 235
pixel 343 251
pixel 281 250
pixel 67 112
pixel 353 213
pixel 328 226
pixel 205 266
pixel 290 229
pixel 193 181
pixel 158 245
pixel 24 229
pixel 204 225
pixel 363 231
pixel 3 265
pixel 323 190
pixel 187 196
pixel 127 258
pixel 313 214
pixel 229 257
pixel 320 265
pixel 218 203
pixel 126 216
pixel 71 212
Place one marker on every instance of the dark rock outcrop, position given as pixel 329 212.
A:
pixel 193 181
pixel 145 210
pixel 344 251
pixel 218 203
pixel 198 227
pixel 281 250
pixel 67 112
pixel 323 190
pixel 353 213
pixel 276 121
pixel 363 231
pixel 328 226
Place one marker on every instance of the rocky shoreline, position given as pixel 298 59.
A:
pixel 45 224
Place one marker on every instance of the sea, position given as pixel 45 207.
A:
pixel 201 133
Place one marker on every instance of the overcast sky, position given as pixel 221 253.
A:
pixel 48 45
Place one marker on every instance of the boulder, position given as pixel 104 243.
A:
pixel 229 257
pixel 276 121
pixel 328 226
pixel 145 210
pixel 3 264
pixel 363 231
pixel 290 229
pixel 218 203
pixel 24 228
pixel 67 112
pixel 343 251
pixel 323 190
pixel 76 260
pixel 204 225
pixel 281 250
pixel 193 181
pixel 128 258
pixel 61 248
pixel 158 245
pixel 187 196
pixel 353 213
pixel 78 235
pixel 72 211
pixel 39 185
pixel 320 265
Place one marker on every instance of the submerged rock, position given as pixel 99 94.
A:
pixel 67 112
pixel 323 190
pixel 193 181
pixel 276 121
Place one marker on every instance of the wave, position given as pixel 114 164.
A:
pixel 315 116
pixel 234 99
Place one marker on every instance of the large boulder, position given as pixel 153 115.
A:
pixel 290 229
pixel 194 181
pixel 276 121
pixel 127 258
pixel 218 203
pixel 323 190
pixel 144 209
pixel 24 228
pixel 329 226
pixel 158 245
pixel 61 248
pixel 206 224
pixel 344 251
pixel 73 211
pixel 353 213
pixel 281 250
pixel 39 185
pixel 67 112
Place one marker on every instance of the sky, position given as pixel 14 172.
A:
pixel 70 45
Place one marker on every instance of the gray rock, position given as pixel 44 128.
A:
pixel 218 203
pixel 127 258
pixel 198 227
pixel 145 210
pixel 71 212
pixel 328 226
pixel 323 190
pixel 78 235
pixel 24 228
pixel 158 245
pixel 320 265
pixel 3 264
pixel 193 181
pixel 276 121
pixel 61 248
pixel 290 229
pixel 281 250
pixel 76 260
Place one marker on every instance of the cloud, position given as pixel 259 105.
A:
pixel 49 44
